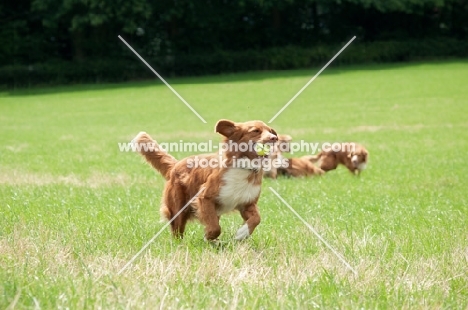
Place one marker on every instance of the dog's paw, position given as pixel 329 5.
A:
pixel 214 242
pixel 242 233
pixel 320 171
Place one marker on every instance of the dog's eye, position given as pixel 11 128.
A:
pixel 256 131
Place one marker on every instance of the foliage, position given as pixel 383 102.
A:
pixel 85 31
pixel 276 58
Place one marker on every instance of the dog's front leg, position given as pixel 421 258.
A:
pixel 251 217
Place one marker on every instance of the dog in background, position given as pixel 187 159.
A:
pixel 292 167
pixel 300 167
pixel 282 145
pixel 352 155
pixel 226 187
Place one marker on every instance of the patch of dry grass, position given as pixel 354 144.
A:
pixel 17 178
pixel 233 275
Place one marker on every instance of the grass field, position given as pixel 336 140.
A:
pixel 74 209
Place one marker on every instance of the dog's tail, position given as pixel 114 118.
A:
pixel 154 155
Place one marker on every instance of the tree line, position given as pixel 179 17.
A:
pixel 78 31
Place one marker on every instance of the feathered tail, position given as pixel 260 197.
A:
pixel 154 155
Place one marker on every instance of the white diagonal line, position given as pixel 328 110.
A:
pixel 163 80
pixel 311 80
pixel 340 257
pixel 160 231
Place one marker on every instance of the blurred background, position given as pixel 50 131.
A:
pixel 76 41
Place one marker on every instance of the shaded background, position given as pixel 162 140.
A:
pixel 70 41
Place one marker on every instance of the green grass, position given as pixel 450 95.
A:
pixel 74 210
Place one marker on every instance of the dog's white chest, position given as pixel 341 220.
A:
pixel 237 190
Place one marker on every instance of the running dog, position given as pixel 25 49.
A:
pixel 221 188
pixel 352 155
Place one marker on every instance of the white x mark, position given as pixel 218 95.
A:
pixel 340 257
pixel 164 81
pixel 311 80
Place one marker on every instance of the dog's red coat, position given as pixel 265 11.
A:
pixel 352 155
pixel 226 189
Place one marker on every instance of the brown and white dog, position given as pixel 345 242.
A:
pixel 282 145
pixel 352 155
pixel 300 167
pixel 227 187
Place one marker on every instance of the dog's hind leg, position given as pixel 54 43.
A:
pixel 328 163
pixel 313 158
pixel 174 201
pixel 207 215
pixel 178 224
pixel 315 170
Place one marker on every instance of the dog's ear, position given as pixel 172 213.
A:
pixel 366 155
pixel 274 132
pixel 284 143
pixel 286 138
pixel 225 127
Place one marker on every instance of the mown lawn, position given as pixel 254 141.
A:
pixel 74 209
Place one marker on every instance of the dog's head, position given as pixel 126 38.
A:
pixel 284 143
pixel 359 157
pixel 246 134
